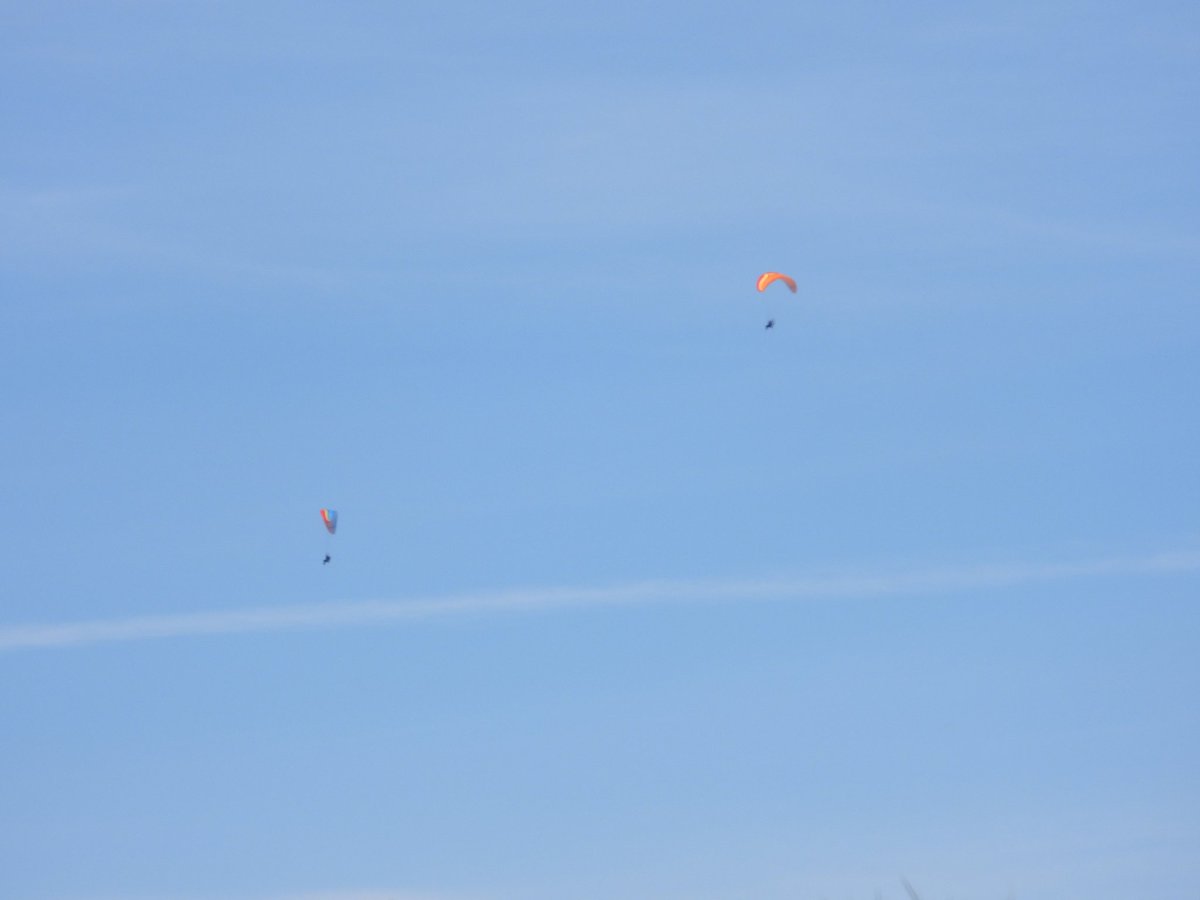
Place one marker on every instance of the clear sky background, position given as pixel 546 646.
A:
pixel 481 277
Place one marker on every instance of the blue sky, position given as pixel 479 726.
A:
pixel 630 597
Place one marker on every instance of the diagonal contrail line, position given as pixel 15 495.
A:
pixel 365 612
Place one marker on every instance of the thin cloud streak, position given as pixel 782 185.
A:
pixel 368 612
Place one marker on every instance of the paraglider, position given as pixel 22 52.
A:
pixel 765 280
pixel 329 517
pixel 768 278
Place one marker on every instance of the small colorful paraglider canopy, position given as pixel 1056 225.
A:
pixel 329 517
pixel 766 278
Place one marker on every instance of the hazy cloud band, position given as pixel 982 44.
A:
pixel 367 612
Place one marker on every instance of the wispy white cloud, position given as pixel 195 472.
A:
pixel 529 600
pixel 356 894
pixel 40 228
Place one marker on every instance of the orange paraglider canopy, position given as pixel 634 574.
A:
pixel 767 278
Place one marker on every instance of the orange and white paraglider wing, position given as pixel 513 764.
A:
pixel 767 278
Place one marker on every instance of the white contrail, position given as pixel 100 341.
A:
pixel 364 612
